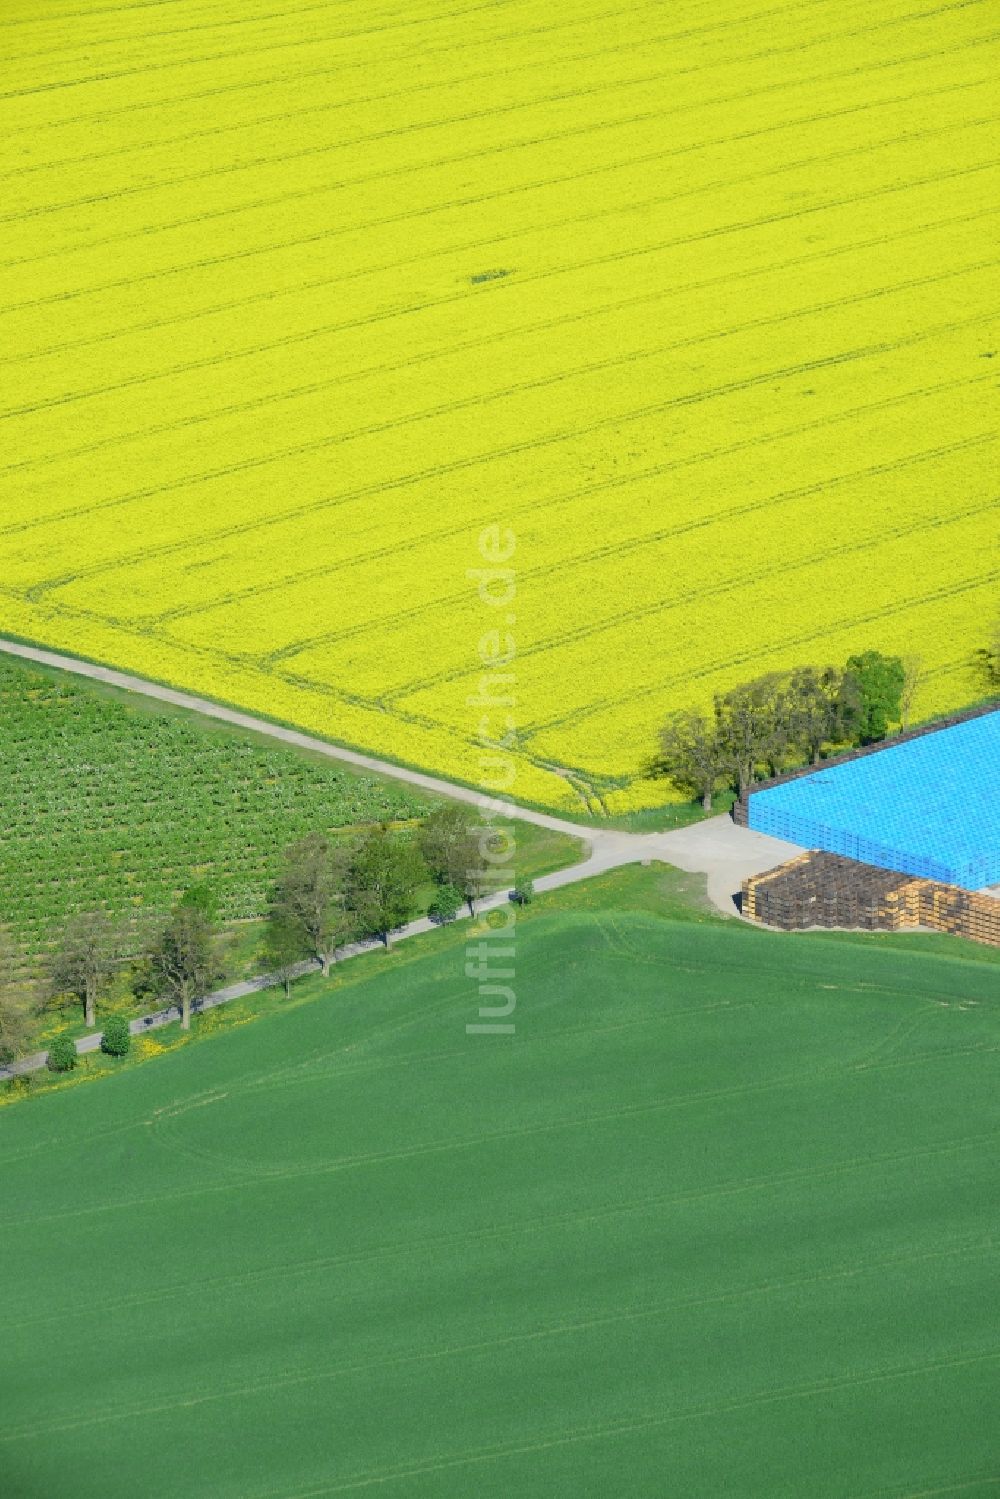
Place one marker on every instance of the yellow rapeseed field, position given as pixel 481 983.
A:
pixel 696 299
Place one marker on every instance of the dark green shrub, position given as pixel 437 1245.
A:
pixel 446 904
pixel 62 1055
pixel 117 1039
pixel 523 892
pixel 202 897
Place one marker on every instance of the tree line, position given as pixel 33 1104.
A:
pixel 783 720
pixel 329 894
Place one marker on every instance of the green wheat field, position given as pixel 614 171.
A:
pixel 717 1220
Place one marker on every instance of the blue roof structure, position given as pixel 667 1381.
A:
pixel 929 806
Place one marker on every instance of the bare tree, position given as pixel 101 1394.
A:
pixel 183 960
pixel 310 894
pixel 285 947
pixel 17 998
pixel 85 960
pixel 693 755
pixel 751 722
pixel 987 660
pixel 451 841
pixel 819 708
pixel 913 678
pixel 447 840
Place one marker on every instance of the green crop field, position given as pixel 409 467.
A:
pixel 108 802
pixel 716 1220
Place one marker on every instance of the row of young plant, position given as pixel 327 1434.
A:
pixel 329 894
pixel 783 720
pixel 113 805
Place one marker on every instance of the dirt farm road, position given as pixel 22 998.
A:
pixel 716 847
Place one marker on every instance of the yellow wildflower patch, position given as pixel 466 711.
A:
pixel 695 300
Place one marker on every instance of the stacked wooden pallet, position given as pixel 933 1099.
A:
pixel 821 889
pixel 965 913
pixel 818 889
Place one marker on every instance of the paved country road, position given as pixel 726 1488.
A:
pixel 715 847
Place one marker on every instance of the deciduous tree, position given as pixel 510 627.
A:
pixel 382 882
pixel 913 676
pixel 285 947
pixel 310 895
pixel 751 722
pixel 693 755
pixel 821 707
pixel 184 958
pixel 987 659
pixel 449 842
pixel 445 904
pixel 85 960
pixel 17 998
pixel 879 681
